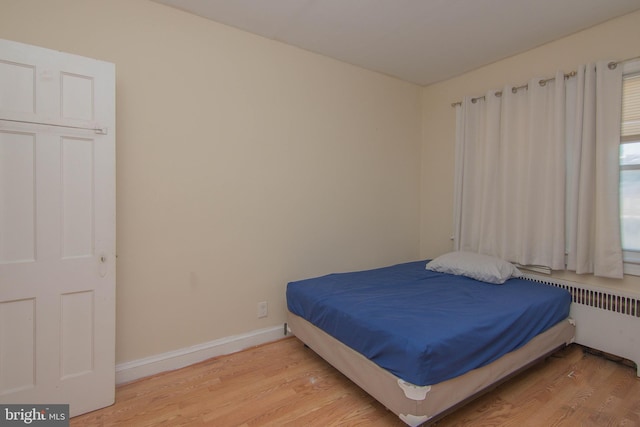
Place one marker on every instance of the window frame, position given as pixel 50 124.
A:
pixel 631 258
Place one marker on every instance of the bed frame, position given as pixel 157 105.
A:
pixel 416 405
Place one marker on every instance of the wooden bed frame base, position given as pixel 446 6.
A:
pixel 417 405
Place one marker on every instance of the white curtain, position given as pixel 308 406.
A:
pixel 518 181
pixel 593 136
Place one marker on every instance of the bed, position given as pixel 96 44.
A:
pixel 423 342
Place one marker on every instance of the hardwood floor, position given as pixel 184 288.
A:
pixel 285 384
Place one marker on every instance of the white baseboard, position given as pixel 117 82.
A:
pixel 136 369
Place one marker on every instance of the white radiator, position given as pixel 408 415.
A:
pixel 606 319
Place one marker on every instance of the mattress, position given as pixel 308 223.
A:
pixel 417 405
pixel 426 327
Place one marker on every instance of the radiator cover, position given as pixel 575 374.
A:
pixel 606 319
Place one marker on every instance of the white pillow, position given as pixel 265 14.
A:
pixel 485 268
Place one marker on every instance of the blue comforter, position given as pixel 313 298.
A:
pixel 427 327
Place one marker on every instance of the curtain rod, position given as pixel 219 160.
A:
pixel 612 66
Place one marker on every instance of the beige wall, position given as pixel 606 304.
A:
pixel 615 39
pixel 242 163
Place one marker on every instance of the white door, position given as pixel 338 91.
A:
pixel 57 228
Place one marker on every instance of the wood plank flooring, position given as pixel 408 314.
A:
pixel 285 384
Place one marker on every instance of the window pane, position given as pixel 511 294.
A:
pixel 630 209
pixel 630 153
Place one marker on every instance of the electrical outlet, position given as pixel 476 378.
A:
pixel 262 309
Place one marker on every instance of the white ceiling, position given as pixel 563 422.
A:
pixel 421 41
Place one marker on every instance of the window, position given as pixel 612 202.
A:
pixel 630 166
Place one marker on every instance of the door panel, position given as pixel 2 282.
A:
pixel 77 96
pixel 17 197
pixel 17 346
pixel 77 197
pixel 57 228
pixel 17 84
pixel 77 333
